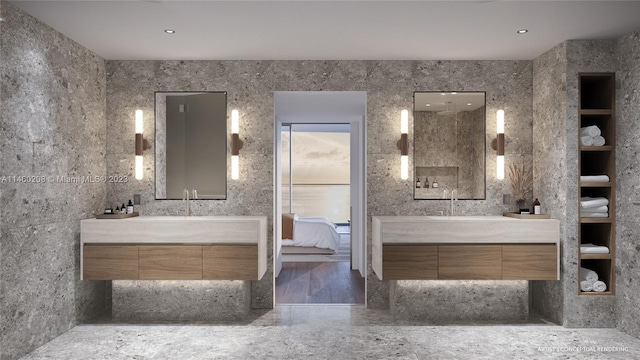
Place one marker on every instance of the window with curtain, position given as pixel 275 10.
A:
pixel 315 172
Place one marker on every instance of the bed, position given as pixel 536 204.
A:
pixel 308 232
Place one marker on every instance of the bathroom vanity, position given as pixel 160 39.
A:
pixel 174 248
pixel 465 248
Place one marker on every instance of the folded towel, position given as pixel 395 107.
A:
pixel 594 178
pixel 593 249
pixel 586 140
pixel 598 141
pixel 589 202
pixel 592 130
pixel 594 215
pixel 586 285
pixel 588 275
pixel 599 286
pixel 600 209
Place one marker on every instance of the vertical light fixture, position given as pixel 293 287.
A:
pixel 403 144
pixel 500 144
pixel 236 144
pixel 139 144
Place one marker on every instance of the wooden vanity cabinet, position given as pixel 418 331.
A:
pixel 410 262
pixel 173 262
pixel 170 262
pixel 470 262
pixel 110 262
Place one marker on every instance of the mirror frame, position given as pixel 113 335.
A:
pixel 155 139
pixel 484 143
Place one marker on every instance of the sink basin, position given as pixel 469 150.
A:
pixel 465 229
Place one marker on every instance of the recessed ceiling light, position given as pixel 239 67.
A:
pixel 169 31
pixel 443 94
pixel 1 19
pixel 468 104
pixel 453 93
pixel 428 104
pixel 522 31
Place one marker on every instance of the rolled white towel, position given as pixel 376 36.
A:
pixel 593 249
pixel 592 130
pixel 599 286
pixel 589 202
pixel 588 275
pixel 586 285
pixel 594 178
pixel 600 209
pixel 598 141
pixel 594 215
pixel 586 140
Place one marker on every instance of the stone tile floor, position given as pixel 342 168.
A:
pixel 336 332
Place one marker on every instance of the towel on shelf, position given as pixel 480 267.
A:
pixel 592 130
pixel 600 209
pixel 588 275
pixel 586 285
pixel 589 202
pixel 594 215
pixel 593 249
pixel 594 178
pixel 598 141
pixel 586 140
pixel 599 286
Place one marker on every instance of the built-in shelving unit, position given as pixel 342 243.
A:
pixel 597 107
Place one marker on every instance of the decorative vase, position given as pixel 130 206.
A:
pixel 520 205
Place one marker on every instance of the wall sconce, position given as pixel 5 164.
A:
pixel 139 144
pixel 403 144
pixel 236 145
pixel 498 144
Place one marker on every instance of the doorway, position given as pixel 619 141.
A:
pixel 319 202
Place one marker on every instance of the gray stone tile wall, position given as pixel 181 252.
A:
pixel 556 174
pixel 250 86
pixel 628 183
pixel 550 163
pixel 53 124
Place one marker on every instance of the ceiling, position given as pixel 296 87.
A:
pixel 331 30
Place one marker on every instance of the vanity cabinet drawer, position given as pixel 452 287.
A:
pixel 221 262
pixel 410 262
pixel 107 262
pixel 179 262
pixel 530 262
pixel 469 262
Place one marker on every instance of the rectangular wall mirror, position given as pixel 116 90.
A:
pixel 191 145
pixel 449 144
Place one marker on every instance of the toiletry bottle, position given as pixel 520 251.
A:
pixel 426 183
pixel 536 207
pixel 435 184
pixel 117 210
pixel 123 210
pixel 130 207
pixel 418 183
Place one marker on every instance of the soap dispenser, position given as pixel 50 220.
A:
pixel 130 207
pixel 418 183
pixel 435 183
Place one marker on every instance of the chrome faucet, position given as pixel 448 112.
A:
pixel 444 193
pixel 454 197
pixel 195 194
pixel 185 198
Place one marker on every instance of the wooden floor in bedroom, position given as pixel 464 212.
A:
pixel 319 283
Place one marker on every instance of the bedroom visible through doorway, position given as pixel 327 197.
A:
pixel 319 238
pixel 316 241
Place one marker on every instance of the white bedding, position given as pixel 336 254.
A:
pixel 313 231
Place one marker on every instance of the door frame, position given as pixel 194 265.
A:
pixel 358 181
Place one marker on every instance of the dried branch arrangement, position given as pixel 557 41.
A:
pixel 521 180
